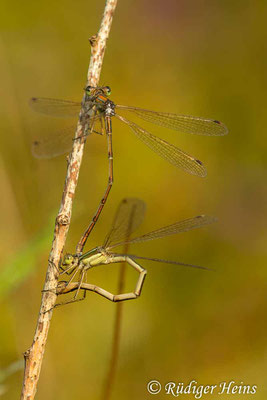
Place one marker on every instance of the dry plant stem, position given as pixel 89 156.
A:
pixel 34 356
pixel 112 367
pixel 115 347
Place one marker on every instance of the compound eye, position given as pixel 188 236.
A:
pixel 88 89
pixel 108 90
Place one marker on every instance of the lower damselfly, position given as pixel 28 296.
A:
pixel 97 111
pixel 128 217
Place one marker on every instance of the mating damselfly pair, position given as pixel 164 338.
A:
pixel 97 111
pixel 128 218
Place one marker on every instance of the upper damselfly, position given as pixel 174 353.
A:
pixel 97 111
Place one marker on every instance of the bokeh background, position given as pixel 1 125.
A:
pixel 205 58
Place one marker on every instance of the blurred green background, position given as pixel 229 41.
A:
pixel 203 58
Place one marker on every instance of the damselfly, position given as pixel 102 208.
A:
pixel 128 217
pixel 97 112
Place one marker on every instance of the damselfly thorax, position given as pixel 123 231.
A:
pixel 96 107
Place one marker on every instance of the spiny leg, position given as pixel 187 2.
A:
pixel 84 238
pixel 74 299
pixel 92 130
pixel 101 128
pixel 80 283
pixel 66 271
pixel 73 276
pixel 84 291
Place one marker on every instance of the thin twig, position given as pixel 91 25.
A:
pixel 34 356
pixel 113 363
pixel 115 347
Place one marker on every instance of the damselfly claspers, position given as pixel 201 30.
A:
pixel 97 111
pixel 128 217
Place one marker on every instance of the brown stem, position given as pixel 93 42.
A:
pixel 115 347
pixel 34 355
pixel 112 367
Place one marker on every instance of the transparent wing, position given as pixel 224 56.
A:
pixel 177 227
pixel 181 123
pixel 133 256
pixel 55 107
pixel 166 150
pixel 57 143
pixel 54 145
pixel 128 217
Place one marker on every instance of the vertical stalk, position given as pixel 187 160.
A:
pixel 115 347
pixel 34 355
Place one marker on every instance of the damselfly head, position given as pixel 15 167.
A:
pixel 96 91
pixel 70 259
